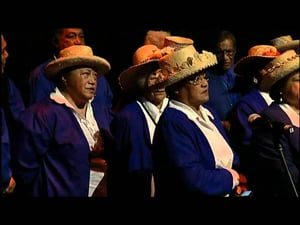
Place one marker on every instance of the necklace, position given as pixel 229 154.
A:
pixel 147 112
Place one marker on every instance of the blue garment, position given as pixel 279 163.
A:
pixel 269 173
pixel 16 106
pixel 41 87
pixel 222 96
pixel 52 154
pixel 130 161
pixel 183 161
pixel 241 131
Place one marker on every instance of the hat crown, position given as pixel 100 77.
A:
pixel 263 50
pixel 77 55
pixel 146 53
pixel 177 42
pixel 76 51
pixel 183 63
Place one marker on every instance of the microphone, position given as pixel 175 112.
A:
pixel 257 121
pixel 277 129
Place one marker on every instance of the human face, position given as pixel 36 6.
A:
pixel 291 90
pixel 156 96
pixel 4 53
pixel 68 37
pixel 225 53
pixel 195 91
pixel 80 85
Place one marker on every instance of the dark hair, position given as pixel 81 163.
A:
pixel 275 90
pixel 172 89
pixel 225 34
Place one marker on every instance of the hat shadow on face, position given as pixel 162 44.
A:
pixel 145 60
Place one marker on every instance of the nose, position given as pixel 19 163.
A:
pixel 204 83
pixel 93 78
pixel 78 40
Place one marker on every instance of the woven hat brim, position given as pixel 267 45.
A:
pixel 181 75
pixel 131 78
pixel 250 64
pixel 101 65
pixel 279 72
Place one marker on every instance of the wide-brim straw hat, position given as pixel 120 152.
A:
pixel 285 42
pixel 278 68
pixel 183 63
pixel 145 59
pixel 77 55
pixel 258 56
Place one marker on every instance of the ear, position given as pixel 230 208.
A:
pixel 64 80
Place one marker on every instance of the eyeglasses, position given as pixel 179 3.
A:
pixel 199 79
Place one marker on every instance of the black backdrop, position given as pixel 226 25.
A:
pixel 29 48
pixel 115 32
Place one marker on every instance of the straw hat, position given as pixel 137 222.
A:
pixel 77 55
pixel 258 56
pixel 285 42
pixel 183 63
pixel 177 42
pixel 278 68
pixel 145 58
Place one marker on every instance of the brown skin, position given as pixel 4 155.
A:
pixel 79 87
pixel 194 93
pixel 225 53
pixel 67 37
pixel 226 58
pixel 155 96
pixel 291 91
pixel 4 53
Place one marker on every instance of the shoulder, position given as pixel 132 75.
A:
pixel 39 69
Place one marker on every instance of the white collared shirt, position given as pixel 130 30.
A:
pixel 221 150
pixel 154 112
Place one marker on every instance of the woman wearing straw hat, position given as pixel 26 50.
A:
pixel 247 68
pixel 275 138
pixel 59 135
pixel 191 154
pixel 130 161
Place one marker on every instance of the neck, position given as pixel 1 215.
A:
pixel 79 106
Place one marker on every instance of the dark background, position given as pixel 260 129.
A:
pixel 116 32
pixel 29 48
